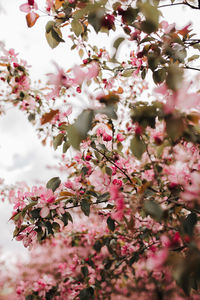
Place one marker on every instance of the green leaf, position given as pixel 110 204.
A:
pixel 76 27
pixel 56 226
pixel 74 136
pixel 133 259
pixel 85 271
pixel 85 207
pixel 53 43
pixel 174 77
pixel 144 73
pixel 66 146
pixel 98 245
pixel 196 46
pixel 30 297
pixel 49 227
pixel 78 131
pixel 153 60
pixel 118 42
pixel 57 140
pixel 174 127
pixel 151 14
pixel 49 26
pixel 159 76
pixel 57 34
pixel 53 183
pixel 153 209
pixel 35 213
pixel 95 19
pixel 127 73
pixel 66 217
pixel 137 147
pixel 108 171
pixel 111 224
pixel 189 223
pixel 130 15
pixel 87 294
pixel 193 57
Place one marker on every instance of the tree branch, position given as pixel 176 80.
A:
pixel 112 162
pixel 93 203
pixel 191 68
pixel 181 3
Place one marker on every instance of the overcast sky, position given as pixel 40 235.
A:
pixel 22 157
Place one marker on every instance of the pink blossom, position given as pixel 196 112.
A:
pixel 157 259
pixel 28 236
pixel 179 99
pixel 27 7
pixel 59 80
pixel 44 212
pixel 49 4
pixel 120 137
pixel 167 27
pixel 80 75
pixel 107 137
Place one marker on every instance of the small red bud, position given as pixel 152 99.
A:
pixel 138 130
pixel 78 89
pixel 31 2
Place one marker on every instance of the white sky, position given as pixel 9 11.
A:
pixel 22 157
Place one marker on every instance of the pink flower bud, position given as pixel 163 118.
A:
pixel 107 137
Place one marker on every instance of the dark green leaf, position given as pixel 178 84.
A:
pixel 49 26
pixel 77 28
pixel 174 127
pixel 49 227
pixel 118 42
pixel 174 77
pixel 78 131
pixel 35 213
pixel 30 297
pixel 95 19
pixel 130 15
pixel 189 223
pixel 57 34
pixel 53 183
pixel 98 245
pixel 153 209
pixel 111 224
pixel 66 146
pixel 144 73
pixel 159 76
pixel 84 270
pixel 53 43
pixel 133 259
pixel 87 294
pixel 85 207
pixel 57 140
pixel 137 147
pixel 108 171
pixel 66 217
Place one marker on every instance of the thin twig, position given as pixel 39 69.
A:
pixel 93 203
pixel 180 3
pixel 191 68
pixel 112 162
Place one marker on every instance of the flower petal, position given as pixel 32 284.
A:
pixel 25 7
pixel 44 212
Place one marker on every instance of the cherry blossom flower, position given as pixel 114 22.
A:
pixel 179 99
pixel 80 75
pixel 27 7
